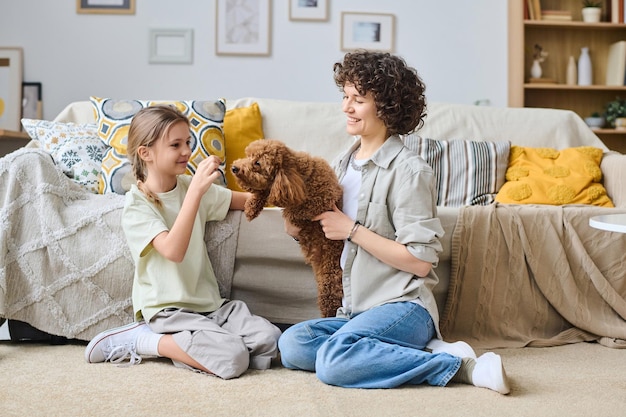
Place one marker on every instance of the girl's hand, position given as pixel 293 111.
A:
pixel 206 174
pixel 335 224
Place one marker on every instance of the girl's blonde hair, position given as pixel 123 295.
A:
pixel 149 125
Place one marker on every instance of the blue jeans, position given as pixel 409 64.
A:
pixel 379 348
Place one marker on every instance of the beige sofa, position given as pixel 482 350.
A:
pixel 267 270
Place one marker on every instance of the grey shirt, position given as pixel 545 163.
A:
pixel 397 200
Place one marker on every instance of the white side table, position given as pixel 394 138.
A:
pixel 610 222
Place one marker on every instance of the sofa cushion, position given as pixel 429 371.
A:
pixel 614 171
pixel 75 148
pixel 556 177
pixel 113 117
pixel 467 172
pixel 242 125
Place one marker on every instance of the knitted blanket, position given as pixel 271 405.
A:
pixel 65 267
pixel 525 275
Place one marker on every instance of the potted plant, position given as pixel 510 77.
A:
pixel 592 9
pixel 615 113
pixel 595 121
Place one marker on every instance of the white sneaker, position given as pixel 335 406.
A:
pixel 459 349
pixel 116 344
pixel 489 373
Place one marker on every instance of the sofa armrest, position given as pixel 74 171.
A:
pixel 614 171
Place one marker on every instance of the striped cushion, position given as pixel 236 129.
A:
pixel 467 172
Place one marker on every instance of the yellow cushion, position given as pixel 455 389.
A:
pixel 113 117
pixel 550 176
pixel 242 125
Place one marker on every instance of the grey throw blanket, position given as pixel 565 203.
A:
pixel 65 267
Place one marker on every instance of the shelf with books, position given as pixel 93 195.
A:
pixel 563 39
pixel 555 86
pixel 575 25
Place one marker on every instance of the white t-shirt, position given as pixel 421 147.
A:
pixel 160 283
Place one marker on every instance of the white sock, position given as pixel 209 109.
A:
pixel 148 343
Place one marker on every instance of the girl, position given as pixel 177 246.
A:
pixel 180 314
pixel 391 232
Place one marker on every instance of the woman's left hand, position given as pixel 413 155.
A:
pixel 335 224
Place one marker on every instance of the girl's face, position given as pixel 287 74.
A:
pixel 170 153
pixel 361 111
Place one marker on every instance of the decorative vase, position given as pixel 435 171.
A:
pixel 535 70
pixel 591 14
pixel 572 72
pixel 584 67
pixel 620 123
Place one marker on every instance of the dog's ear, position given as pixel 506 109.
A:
pixel 288 187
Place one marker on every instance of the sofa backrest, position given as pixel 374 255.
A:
pixel 320 127
pixel 531 127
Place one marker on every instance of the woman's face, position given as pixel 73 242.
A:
pixel 362 114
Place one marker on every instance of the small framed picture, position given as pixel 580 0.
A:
pixel 10 88
pixel 367 31
pixel 106 6
pixel 31 101
pixel 171 46
pixel 308 10
pixel 243 27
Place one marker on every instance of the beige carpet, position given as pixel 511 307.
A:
pixel 40 380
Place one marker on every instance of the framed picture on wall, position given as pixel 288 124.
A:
pixel 243 27
pixel 106 6
pixel 31 101
pixel 10 88
pixel 171 46
pixel 308 10
pixel 373 31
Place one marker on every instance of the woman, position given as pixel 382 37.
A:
pixel 391 232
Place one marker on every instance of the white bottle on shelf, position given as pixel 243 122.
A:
pixel 571 76
pixel 584 67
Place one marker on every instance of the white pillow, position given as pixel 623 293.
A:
pixel 75 148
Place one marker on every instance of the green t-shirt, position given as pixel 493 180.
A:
pixel 160 283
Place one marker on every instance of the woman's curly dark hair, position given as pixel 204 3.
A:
pixel 397 89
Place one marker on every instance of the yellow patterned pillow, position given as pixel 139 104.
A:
pixel 550 176
pixel 242 125
pixel 113 117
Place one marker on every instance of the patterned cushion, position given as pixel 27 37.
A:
pixel 75 148
pixel 550 176
pixel 467 172
pixel 242 125
pixel 113 117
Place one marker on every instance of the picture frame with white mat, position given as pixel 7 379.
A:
pixel 11 72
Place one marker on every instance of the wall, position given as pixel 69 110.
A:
pixel 458 47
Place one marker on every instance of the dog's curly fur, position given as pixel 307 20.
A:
pixel 304 186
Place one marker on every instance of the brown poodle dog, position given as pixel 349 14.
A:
pixel 304 186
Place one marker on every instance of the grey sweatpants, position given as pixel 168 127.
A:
pixel 227 341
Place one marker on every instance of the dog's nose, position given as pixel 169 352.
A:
pixel 234 169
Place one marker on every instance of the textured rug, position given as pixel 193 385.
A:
pixel 581 379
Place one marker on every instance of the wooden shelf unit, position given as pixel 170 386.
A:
pixel 562 39
pixel 11 140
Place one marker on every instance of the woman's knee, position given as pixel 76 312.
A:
pixel 332 363
pixel 294 353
